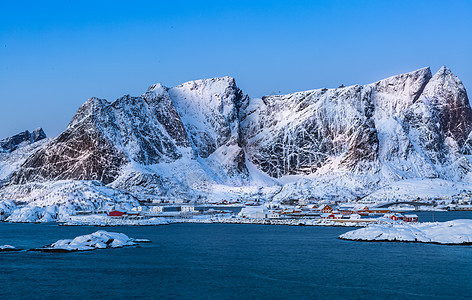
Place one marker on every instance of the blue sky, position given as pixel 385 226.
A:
pixel 54 55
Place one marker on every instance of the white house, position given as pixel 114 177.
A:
pixel 157 209
pixel 187 208
pixel 254 212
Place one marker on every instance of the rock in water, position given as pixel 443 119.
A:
pixel 8 248
pixel 98 240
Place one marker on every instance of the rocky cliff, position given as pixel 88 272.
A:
pixel 21 139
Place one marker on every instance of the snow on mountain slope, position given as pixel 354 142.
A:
pixel 11 161
pixel 206 140
pixel 54 201
pixel 410 189
pixel 210 110
pixel 406 126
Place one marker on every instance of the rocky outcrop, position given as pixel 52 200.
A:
pixel 21 139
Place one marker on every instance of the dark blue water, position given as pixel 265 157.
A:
pixel 214 261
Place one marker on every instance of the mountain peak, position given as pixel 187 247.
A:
pixel 38 134
pixel 158 88
pixel 11 143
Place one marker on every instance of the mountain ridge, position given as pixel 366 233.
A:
pixel 207 139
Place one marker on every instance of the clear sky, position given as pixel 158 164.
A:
pixel 54 55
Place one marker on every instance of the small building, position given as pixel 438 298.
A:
pixel 410 218
pixel 325 208
pixel 354 216
pixel 312 206
pixel 116 213
pixel 327 216
pixel 254 212
pixel 394 217
pixel 157 209
pixel 380 211
pixel 187 208
pixel 463 207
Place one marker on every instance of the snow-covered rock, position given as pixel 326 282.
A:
pixel 8 248
pixel 56 201
pixel 451 232
pixel 98 240
pixel 21 139
pixel 6 208
pixel 15 150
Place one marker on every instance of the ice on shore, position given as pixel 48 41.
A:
pixel 453 232
pixel 97 240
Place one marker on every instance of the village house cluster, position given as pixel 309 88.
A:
pixel 341 213
pixel 354 211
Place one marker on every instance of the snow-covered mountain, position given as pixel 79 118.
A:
pixel 206 139
pixel 16 149
pixel 21 139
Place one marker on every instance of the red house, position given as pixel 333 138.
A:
pixel 394 217
pixel 115 213
pixel 410 218
pixel 326 209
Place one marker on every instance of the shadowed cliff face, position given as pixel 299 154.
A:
pixel 406 126
pixel 76 154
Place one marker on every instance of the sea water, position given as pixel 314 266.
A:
pixel 217 261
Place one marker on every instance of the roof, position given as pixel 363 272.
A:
pixel 411 216
pixel 254 209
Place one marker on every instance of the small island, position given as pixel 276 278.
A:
pixel 455 232
pixel 98 240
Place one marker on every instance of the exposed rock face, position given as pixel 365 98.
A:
pixel 406 126
pixel 12 143
pixel 103 137
pixel 301 132
pixel 211 112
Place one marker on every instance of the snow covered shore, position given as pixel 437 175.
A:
pixel 289 222
pixel 98 240
pixel 106 221
pixel 103 220
pixel 456 232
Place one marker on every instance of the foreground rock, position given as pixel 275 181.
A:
pixel 8 248
pixel 456 232
pixel 97 240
